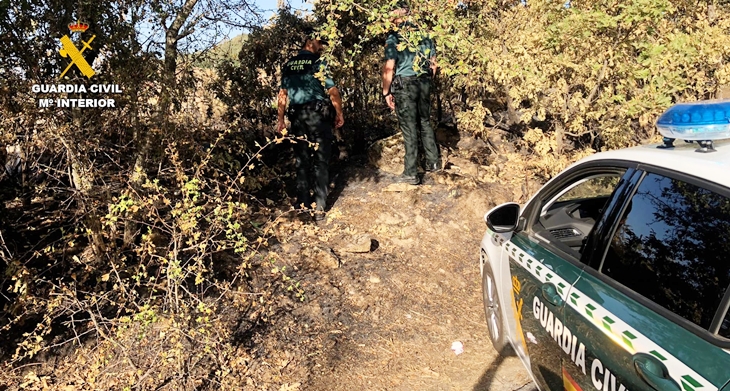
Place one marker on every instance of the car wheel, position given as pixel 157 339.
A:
pixel 493 310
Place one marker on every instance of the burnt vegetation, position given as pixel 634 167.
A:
pixel 134 247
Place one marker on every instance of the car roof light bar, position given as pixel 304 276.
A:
pixel 702 121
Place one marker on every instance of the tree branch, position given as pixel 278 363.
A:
pixel 595 89
pixel 181 17
pixel 190 27
pixel 579 134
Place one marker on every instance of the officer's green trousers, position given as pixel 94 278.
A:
pixel 413 108
pixel 312 154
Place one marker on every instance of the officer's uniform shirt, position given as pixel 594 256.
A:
pixel 405 58
pixel 306 78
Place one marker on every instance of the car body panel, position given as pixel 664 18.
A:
pixel 683 158
pixel 532 268
pixel 610 326
pixel 491 251
pixel 614 327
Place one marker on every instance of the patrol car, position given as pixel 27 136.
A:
pixel 615 275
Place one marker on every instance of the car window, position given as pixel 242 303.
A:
pixel 725 326
pixel 593 187
pixel 671 246
pixel 569 216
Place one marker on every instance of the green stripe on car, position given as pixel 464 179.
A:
pixel 624 335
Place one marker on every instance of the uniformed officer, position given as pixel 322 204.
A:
pixel 314 102
pixel 410 63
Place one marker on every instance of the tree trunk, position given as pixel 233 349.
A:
pixel 559 135
pixel 169 83
pixel 82 176
pixel 137 178
pixel 512 116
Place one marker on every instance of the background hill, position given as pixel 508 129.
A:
pixel 225 50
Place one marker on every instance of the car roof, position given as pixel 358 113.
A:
pixel 683 158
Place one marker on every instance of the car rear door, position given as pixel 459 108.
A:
pixel 544 263
pixel 651 306
pixel 541 281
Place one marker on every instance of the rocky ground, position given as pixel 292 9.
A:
pixel 391 281
pixel 377 295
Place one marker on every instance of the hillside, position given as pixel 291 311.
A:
pixel 226 49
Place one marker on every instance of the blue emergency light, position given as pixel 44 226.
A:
pixel 702 121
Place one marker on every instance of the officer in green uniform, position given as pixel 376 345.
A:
pixel 410 63
pixel 314 102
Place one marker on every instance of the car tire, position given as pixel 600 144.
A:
pixel 493 312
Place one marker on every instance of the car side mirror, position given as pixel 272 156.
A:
pixel 503 218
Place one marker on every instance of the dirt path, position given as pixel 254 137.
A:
pixel 385 319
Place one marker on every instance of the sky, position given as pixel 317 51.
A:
pixel 226 32
pixel 270 5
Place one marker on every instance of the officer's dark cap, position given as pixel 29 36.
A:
pixel 402 8
pixel 402 4
pixel 311 33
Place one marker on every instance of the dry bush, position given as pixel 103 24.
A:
pixel 163 307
